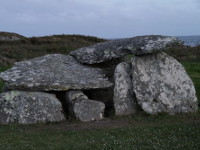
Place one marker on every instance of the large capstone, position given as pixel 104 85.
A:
pixel 54 72
pixel 82 108
pixel 124 98
pixel 140 45
pixel 161 84
pixel 29 107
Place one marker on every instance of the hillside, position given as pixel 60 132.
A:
pixel 185 53
pixel 7 36
pixel 27 48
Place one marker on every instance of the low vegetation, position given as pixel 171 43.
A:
pixel 27 48
pixel 140 131
pixel 3 68
pixel 193 69
pixel 185 53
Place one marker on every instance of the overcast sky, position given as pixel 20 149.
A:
pixel 101 18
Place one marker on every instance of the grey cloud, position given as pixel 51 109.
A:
pixel 113 18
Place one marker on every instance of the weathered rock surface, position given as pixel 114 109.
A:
pixel 84 109
pixel 29 107
pixel 54 72
pixel 141 45
pixel 124 98
pixel 162 85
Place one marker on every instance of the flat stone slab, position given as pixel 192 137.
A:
pixel 140 45
pixel 53 72
pixel 29 107
pixel 82 108
pixel 161 84
pixel 124 98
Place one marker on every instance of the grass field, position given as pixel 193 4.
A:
pixel 193 69
pixel 139 132
pixel 136 132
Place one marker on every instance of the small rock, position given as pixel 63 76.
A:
pixel 29 107
pixel 124 98
pixel 84 109
pixel 161 84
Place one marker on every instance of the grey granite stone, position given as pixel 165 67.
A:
pixel 82 108
pixel 124 98
pixel 54 72
pixel 29 107
pixel 140 45
pixel 161 84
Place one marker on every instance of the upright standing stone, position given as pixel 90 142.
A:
pixel 161 84
pixel 124 98
pixel 82 108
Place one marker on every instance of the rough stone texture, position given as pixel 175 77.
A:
pixel 108 67
pixel 124 98
pixel 54 72
pixel 161 84
pixel 84 109
pixel 141 45
pixel 29 107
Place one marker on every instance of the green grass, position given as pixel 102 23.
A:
pixel 3 69
pixel 1 85
pixel 193 69
pixel 143 132
pixel 1 82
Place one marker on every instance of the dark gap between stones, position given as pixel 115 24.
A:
pixel 102 95
pixel 62 98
